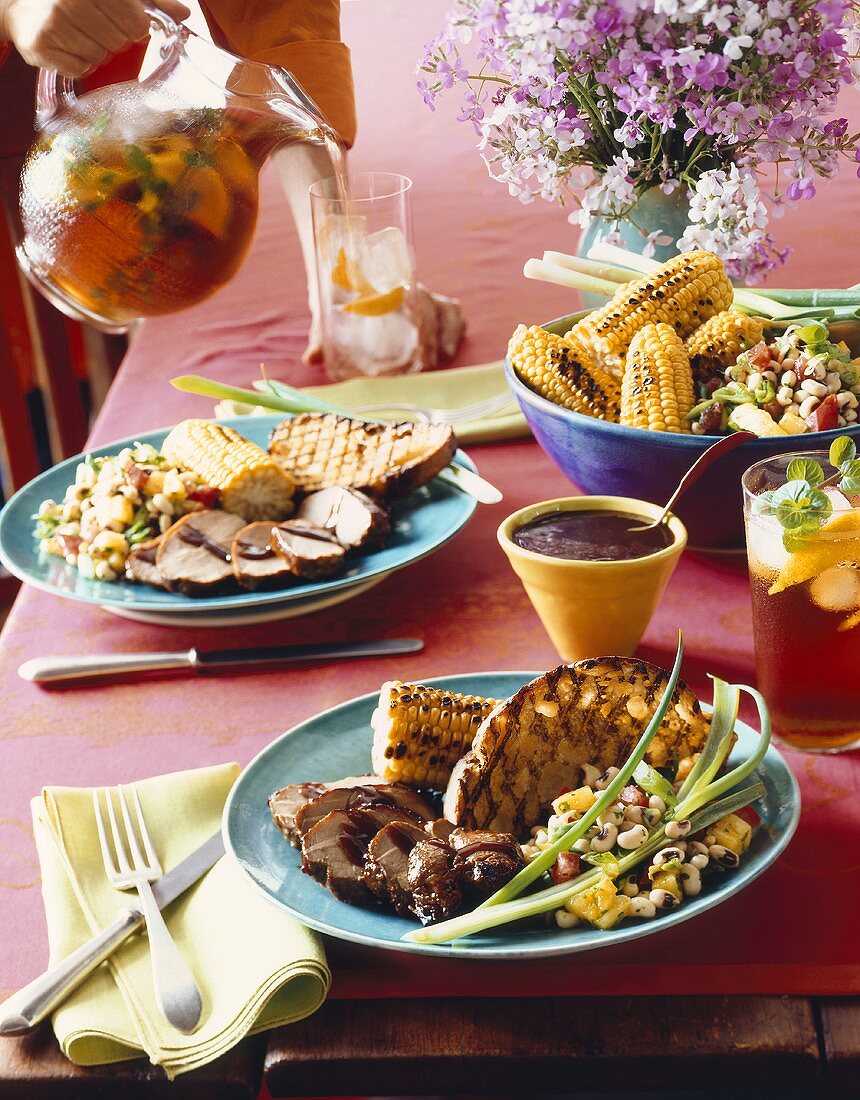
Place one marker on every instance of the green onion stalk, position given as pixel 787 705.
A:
pixel 781 305
pixel 702 799
pixel 270 395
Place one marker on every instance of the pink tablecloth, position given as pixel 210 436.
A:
pixel 790 932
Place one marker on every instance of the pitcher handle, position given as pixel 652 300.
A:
pixel 54 91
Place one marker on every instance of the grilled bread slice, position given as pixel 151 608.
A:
pixel 385 460
pixel 534 746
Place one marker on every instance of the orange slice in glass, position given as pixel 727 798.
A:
pixel 838 541
pixel 375 305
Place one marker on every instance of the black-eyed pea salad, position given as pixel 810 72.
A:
pixel 115 503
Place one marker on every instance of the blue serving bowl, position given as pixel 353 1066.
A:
pixel 608 459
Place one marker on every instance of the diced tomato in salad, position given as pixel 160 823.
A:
pixel 748 814
pixel 207 495
pixel 760 356
pixel 565 867
pixel 632 795
pixel 826 416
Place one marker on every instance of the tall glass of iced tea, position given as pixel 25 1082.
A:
pixel 805 579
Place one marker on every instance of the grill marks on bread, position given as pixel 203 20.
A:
pixel 536 744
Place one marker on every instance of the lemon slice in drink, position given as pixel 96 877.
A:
pixel 826 550
pixel 375 305
pixel 348 276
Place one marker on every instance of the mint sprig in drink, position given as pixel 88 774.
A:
pixel 803 546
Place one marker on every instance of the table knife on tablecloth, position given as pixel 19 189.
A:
pixel 54 670
pixel 30 1005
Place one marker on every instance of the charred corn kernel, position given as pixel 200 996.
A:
pixel 564 372
pixel 684 292
pixel 252 484
pixel 751 418
pixel 717 343
pixel 657 387
pixel 421 732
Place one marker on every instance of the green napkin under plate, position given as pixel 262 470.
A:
pixel 442 389
pixel 256 969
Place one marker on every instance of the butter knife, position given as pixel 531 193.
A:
pixel 30 1005
pixel 54 670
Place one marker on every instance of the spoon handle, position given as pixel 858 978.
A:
pixel 715 451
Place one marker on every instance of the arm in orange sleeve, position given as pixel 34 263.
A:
pixel 302 36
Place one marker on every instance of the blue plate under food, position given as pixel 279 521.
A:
pixel 337 743
pixel 607 459
pixel 421 523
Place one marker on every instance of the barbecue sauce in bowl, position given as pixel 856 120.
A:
pixel 592 535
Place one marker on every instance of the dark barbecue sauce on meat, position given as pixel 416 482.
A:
pixel 194 537
pixel 505 847
pixel 316 533
pixel 253 551
pixel 406 842
pixel 355 837
pixel 147 555
pixel 592 535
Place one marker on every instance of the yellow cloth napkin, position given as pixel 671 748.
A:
pixel 256 968
pixel 441 389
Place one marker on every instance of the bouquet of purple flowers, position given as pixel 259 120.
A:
pixel 731 103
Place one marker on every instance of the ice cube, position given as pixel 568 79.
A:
pixel 341 231
pixel 360 345
pixel 385 260
pixel 764 544
pixel 839 500
pixel 837 589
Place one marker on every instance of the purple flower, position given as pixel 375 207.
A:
pixel 747 84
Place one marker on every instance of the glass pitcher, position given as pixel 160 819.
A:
pixel 140 198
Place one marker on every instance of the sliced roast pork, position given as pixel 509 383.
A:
pixel 310 552
pixel 433 880
pixel 333 851
pixel 355 520
pixel 484 860
pixel 390 801
pixel 256 564
pixel 386 865
pixel 140 563
pixel 286 803
pixel 194 554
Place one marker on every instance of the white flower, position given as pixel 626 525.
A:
pixel 736 44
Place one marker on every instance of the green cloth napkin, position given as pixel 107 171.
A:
pixel 256 968
pixel 442 389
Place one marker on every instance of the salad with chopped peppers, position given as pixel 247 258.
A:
pixel 798 382
pixel 673 872
pixel 115 503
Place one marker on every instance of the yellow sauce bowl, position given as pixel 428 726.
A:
pixel 593 608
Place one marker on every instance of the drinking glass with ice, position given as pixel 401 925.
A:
pixel 803 550
pixel 366 273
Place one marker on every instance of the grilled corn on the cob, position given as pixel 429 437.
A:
pixel 563 371
pixel 684 293
pixel 252 484
pixel 657 387
pixel 717 343
pixel 421 732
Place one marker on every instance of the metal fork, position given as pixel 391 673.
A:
pixel 458 415
pixel 175 989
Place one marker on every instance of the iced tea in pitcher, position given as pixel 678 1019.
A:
pixel 140 198
pixel 803 546
pixel 137 226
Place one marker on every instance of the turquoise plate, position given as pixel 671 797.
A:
pixel 422 522
pixel 337 743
